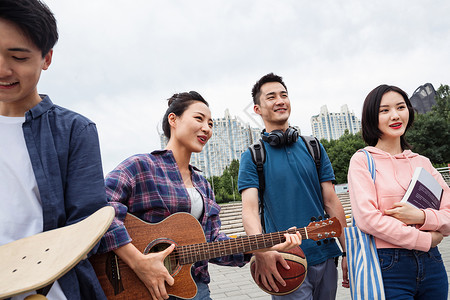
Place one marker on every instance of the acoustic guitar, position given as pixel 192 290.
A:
pixel 119 281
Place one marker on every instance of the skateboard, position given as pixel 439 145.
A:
pixel 36 261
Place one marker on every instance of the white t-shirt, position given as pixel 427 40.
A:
pixel 196 202
pixel 20 204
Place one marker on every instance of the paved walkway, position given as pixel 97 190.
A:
pixel 237 283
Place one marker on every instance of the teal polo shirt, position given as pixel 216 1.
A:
pixel 293 194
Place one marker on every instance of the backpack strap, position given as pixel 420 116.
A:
pixel 258 152
pixel 313 146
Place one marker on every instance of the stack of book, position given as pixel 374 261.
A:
pixel 423 191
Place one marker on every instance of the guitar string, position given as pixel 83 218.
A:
pixel 191 253
pixel 247 243
pixel 220 248
pixel 187 253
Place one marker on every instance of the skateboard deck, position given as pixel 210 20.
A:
pixel 36 261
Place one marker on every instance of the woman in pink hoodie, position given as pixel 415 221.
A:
pixel 406 237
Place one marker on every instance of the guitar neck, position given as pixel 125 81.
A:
pixel 192 253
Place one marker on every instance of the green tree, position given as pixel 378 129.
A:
pixel 340 151
pixel 234 168
pixel 328 144
pixel 442 106
pixel 215 183
pixel 430 133
pixel 225 187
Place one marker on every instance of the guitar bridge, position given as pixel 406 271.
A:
pixel 113 273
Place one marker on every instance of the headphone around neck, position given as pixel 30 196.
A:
pixel 278 138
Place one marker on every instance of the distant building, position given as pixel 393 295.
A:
pixel 423 98
pixel 331 126
pixel 231 137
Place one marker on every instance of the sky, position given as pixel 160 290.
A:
pixel 118 61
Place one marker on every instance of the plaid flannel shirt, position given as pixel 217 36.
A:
pixel 150 187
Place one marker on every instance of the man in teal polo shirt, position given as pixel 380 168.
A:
pixel 294 192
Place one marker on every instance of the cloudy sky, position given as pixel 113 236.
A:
pixel 117 61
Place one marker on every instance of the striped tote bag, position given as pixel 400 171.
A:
pixel 364 270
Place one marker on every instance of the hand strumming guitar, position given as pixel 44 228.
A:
pixel 149 268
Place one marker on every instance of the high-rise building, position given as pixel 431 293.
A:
pixel 332 126
pixel 231 137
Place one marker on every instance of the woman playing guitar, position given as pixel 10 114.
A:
pixel 156 185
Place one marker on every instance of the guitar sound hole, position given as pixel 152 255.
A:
pixel 171 261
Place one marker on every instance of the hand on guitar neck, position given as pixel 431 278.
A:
pixel 293 239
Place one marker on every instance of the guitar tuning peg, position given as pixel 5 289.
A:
pixel 325 241
pixel 313 219
pixel 320 218
pixel 327 216
pixel 319 243
pixel 332 240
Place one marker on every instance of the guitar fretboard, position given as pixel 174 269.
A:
pixel 196 252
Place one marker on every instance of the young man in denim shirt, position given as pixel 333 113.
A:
pixel 50 166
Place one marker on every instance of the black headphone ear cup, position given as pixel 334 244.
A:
pixel 275 138
pixel 291 135
pixel 288 135
pixel 267 137
pixel 278 138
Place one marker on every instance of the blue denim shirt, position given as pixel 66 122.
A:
pixel 65 155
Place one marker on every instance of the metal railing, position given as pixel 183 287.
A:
pixel 445 172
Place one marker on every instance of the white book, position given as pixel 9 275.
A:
pixel 423 191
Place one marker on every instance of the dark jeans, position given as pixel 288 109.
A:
pixel 412 274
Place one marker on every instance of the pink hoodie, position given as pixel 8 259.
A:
pixel 393 174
